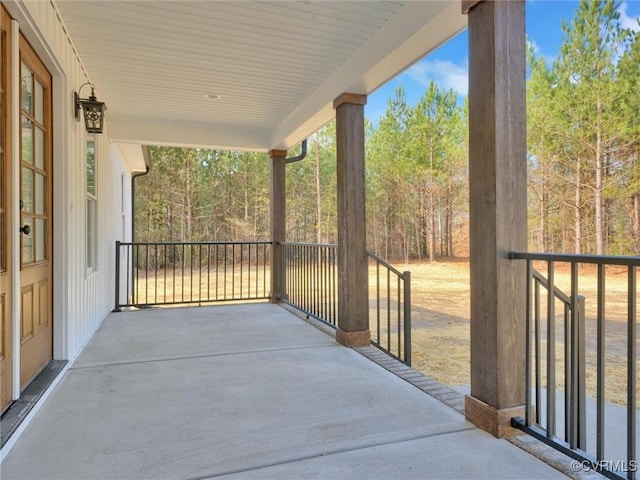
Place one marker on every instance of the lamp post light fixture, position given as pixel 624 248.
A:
pixel 93 110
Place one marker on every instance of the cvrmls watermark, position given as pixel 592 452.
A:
pixel 600 465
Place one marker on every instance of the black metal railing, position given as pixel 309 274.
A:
pixel 183 273
pixel 311 279
pixel 391 290
pixel 311 285
pixel 581 433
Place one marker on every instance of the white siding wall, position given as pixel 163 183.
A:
pixel 81 300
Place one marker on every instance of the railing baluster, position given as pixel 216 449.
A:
pixel 334 288
pixel 136 280
pixel 233 270
pixel 164 274
pixel 581 386
pixel 217 271
pixel 568 375
pixel 256 272
pixel 135 274
pixel 407 317
pixel 293 298
pixel 377 302
pixel 527 348
pixel 305 278
pixel 600 433
pixel 321 283
pixel 129 279
pixel 388 311
pixel 573 420
pixel 174 286
pixel 295 252
pixel 264 271
pixel 551 351
pixel 241 269
pixel 313 277
pixel 301 273
pixel 208 272
pixel 155 273
pixel 323 263
pixel 146 272
pixel 537 333
pixel 224 284
pixel 199 299
pixel 398 290
pixel 116 307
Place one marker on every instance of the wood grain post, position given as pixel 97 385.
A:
pixel 353 274
pixel 278 222
pixel 498 213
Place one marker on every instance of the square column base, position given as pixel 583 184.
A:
pixel 490 419
pixel 360 338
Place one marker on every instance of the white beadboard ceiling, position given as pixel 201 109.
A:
pixel 277 65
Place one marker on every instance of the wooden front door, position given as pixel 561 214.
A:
pixel 7 229
pixel 36 329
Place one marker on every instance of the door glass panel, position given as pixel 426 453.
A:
pixel 40 232
pixel 91 226
pixel 27 88
pixel 27 242
pixel 38 100
pixel 27 190
pixel 39 148
pixel 27 140
pixel 39 194
pixel 91 167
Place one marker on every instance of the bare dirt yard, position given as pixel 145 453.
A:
pixel 440 316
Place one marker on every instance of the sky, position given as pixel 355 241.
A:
pixel 448 66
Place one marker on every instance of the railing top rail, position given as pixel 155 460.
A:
pixel 573 258
pixel 385 264
pixel 248 242
pixel 304 244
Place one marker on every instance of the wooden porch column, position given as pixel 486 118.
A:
pixel 498 212
pixel 353 275
pixel 278 221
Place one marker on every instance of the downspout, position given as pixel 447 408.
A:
pixel 147 162
pixel 303 153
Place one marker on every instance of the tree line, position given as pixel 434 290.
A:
pixel 584 137
pixel 583 164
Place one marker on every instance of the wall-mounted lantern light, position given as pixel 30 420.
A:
pixel 93 110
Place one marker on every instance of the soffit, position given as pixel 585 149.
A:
pixel 276 65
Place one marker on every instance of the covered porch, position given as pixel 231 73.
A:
pixel 254 390
pixel 246 391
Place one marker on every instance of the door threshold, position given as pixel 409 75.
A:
pixel 18 411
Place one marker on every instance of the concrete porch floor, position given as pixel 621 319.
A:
pixel 245 391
